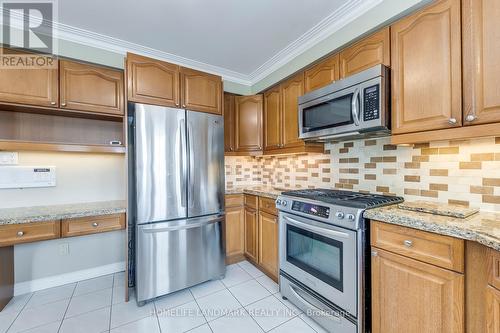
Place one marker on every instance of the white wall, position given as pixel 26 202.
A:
pixel 80 178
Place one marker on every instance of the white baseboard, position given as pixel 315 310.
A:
pixel 62 279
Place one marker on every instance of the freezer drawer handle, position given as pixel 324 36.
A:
pixel 314 307
pixel 317 230
pixel 182 227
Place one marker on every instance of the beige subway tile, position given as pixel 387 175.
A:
pixel 448 150
pixel 301 178
pixel 470 165
pixel 348 144
pixel 413 179
pixel 325 180
pixel 370 177
pixel 430 194
pixel 497 156
pixel 343 150
pixel 491 181
pixel 353 160
pixel 458 202
pixel 430 151
pixel 481 189
pixel 494 199
pixel 326 170
pixel 344 160
pixel 389 171
pixel 497 140
pixel 390 159
pixel 438 172
pixel 390 147
pixel 376 159
pixel 482 157
pixel 370 143
pixel 354 181
pixel 382 189
pixel 420 158
pixel 370 166
pixel 438 187
pixel 421 145
pixel 411 191
pixel 412 165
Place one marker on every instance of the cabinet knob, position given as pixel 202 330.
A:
pixel 63 104
pixel 53 103
pixel 452 121
pixel 183 105
pixel 408 243
pixel 20 234
pixel 374 253
pixel 95 224
pixel 470 118
pixel 176 104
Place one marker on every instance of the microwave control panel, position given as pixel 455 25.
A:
pixel 371 101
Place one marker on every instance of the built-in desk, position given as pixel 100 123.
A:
pixel 39 223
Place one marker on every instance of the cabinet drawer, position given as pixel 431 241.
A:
pixel 92 224
pixel 251 201
pixel 494 268
pixel 443 251
pixel 268 205
pixel 234 200
pixel 11 234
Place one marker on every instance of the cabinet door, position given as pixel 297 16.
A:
pixel 481 49
pixel 228 122
pixel 426 69
pixel 152 81
pixel 268 242
pixel 201 91
pixel 248 123
pixel 251 233
pixel 411 296
pixel 90 88
pixel 492 310
pixel 322 74
pixel 371 51
pixel 272 119
pixel 235 231
pixel 30 86
pixel 290 92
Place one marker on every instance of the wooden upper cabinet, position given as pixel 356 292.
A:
pixel 426 69
pixel 268 243
pixel 248 123
pixel 30 86
pixel 368 52
pixel 91 88
pixel 272 119
pixel 322 74
pixel 411 296
pixel 228 122
pixel 291 90
pixel 152 81
pixel 201 91
pixel 481 52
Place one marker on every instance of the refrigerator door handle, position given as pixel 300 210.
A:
pixel 182 227
pixel 190 164
pixel 182 159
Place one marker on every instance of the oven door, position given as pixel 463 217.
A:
pixel 322 257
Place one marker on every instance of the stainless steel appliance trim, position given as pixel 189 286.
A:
pixel 309 304
pixel 354 106
pixel 188 225
pixel 321 231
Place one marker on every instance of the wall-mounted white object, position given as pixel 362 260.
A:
pixel 27 176
pixel 8 158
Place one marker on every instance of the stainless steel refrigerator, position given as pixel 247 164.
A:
pixel 177 198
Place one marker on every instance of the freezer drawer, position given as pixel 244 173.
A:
pixel 175 255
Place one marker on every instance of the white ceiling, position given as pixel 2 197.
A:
pixel 235 38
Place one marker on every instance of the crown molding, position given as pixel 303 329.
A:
pixel 325 28
pixel 338 19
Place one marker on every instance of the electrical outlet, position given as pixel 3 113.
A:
pixel 64 249
pixel 8 158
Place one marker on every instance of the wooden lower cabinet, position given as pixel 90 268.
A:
pixel 235 234
pixel 251 234
pixel 413 297
pixel 492 310
pixel 268 243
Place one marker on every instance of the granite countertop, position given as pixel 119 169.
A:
pixel 56 212
pixel 262 191
pixel 482 227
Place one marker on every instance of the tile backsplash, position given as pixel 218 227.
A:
pixel 465 172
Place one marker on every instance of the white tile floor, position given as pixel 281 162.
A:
pixel 244 301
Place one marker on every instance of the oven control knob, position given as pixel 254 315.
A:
pixel 350 217
pixel 339 215
pixel 278 202
pixel 284 203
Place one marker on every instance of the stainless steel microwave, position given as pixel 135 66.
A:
pixel 354 107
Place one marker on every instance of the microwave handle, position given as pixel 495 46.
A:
pixel 354 106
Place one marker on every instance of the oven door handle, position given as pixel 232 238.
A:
pixel 354 106
pixel 309 304
pixel 321 231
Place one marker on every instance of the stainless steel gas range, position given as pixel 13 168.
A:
pixel 324 255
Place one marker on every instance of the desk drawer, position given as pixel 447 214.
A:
pixel 443 251
pixel 11 234
pixel 268 205
pixel 92 225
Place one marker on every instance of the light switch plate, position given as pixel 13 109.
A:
pixel 27 176
pixel 8 158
